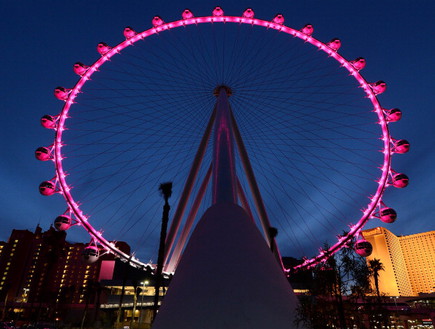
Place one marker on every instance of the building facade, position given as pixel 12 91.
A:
pixel 43 275
pixel 409 261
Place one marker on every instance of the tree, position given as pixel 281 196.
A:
pixel 92 290
pixel 375 266
pixel 339 285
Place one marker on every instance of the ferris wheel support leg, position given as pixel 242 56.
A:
pixel 243 200
pixel 188 186
pixel 259 204
pixel 179 246
pixel 224 173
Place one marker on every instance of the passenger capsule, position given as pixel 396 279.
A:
pixel 43 153
pixel 157 21
pixel 103 48
pixel 129 32
pixel 358 63
pixel 80 68
pixel 401 146
pixel 278 19
pixel 187 14
pixel 248 13
pixel 308 29
pixel 334 44
pixel 218 11
pixel 90 254
pixel 388 215
pixel 47 188
pixel 62 222
pixel 363 248
pixel 61 93
pixel 378 87
pixel 393 115
pixel 400 180
pixel 48 121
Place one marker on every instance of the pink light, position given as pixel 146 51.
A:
pixel 358 63
pixel 378 87
pixel 308 29
pixel 278 19
pixel 80 68
pixel 218 12
pixel 129 32
pixel 157 21
pixel 334 44
pixel 248 13
pixel 186 14
pixel 103 48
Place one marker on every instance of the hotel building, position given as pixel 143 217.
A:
pixel 43 273
pixel 409 261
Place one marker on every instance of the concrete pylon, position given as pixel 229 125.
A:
pixel 227 278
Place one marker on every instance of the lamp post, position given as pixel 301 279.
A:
pixel 134 305
pixel 144 285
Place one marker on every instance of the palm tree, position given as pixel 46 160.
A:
pixel 375 267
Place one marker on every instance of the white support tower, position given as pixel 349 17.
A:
pixel 228 276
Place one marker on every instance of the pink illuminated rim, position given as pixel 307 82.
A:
pixel 354 230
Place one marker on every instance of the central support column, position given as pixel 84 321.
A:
pixel 224 175
pixel 227 277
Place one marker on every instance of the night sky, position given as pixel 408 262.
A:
pixel 41 40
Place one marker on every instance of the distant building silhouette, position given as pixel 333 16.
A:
pixel 301 281
pixel 409 261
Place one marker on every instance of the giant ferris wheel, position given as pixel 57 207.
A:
pixel 311 141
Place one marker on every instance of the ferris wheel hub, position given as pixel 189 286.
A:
pixel 227 89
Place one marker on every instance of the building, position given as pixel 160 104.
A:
pixel 43 276
pixel 419 253
pixel 409 261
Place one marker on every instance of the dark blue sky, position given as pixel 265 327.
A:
pixel 41 40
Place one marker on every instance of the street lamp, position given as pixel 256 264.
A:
pixel 144 284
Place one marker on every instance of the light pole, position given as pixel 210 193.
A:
pixel 144 284
pixel 135 287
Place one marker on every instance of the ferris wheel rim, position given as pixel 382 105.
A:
pixel 74 207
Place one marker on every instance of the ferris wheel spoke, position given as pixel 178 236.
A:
pixel 315 133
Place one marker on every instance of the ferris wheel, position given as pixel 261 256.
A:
pixel 312 144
